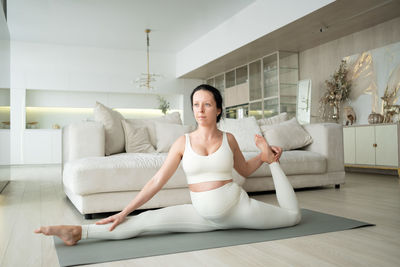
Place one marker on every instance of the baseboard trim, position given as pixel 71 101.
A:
pixel 372 169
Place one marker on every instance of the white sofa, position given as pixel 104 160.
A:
pixel 96 183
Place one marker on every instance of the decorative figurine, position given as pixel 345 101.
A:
pixel 350 115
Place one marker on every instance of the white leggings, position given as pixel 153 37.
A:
pixel 226 207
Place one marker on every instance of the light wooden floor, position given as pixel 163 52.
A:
pixel 35 197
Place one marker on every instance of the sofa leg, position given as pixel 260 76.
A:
pixel 88 216
pixel 337 186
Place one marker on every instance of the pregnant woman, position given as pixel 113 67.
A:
pixel 208 157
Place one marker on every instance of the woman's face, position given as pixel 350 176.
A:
pixel 205 108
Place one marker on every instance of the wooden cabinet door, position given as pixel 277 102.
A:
pixel 349 143
pixel 387 146
pixel 365 139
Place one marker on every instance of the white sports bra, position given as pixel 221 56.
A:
pixel 214 167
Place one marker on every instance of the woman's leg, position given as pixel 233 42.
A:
pixel 180 218
pixel 284 190
pixel 254 214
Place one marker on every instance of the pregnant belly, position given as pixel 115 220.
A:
pixel 206 186
pixel 216 203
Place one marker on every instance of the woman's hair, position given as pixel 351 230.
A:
pixel 214 91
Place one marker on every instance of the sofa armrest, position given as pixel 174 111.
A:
pixel 328 141
pixel 81 140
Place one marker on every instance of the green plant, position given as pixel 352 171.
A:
pixel 164 104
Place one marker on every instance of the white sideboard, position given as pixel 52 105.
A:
pixel 42 146
pixel 372 146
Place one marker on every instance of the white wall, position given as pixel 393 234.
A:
pixel 58 105
pixel 4 52
pixel 320 62
pixel 4 95
pixel 5 147
pixel 73 68
pixel 72 76
pixel 17 126
pixel 254 21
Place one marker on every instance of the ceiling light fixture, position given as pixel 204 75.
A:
pixel 146 80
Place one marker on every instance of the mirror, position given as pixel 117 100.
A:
pixel 4 99
pixel 303 105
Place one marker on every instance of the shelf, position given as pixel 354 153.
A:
pixel 272 84
pixel 49 116
pixel 283 85
pixel 4 117
pixel 282 70
pixel 42 130
pixel 238 106
pixel 288 95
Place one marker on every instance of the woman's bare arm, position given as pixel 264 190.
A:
pixel 156 183
pixel 243 167
pixel 151 188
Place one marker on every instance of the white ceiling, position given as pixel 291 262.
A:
pixel 175 24
pixel 118 23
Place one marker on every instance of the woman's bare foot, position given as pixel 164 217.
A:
pixel 267 155
pixel 70 234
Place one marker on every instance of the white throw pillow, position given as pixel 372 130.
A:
pixel 273 120
pixel 244 131
pixel 114 134
pixel 173 118
pixel 168 133
pixel 137 139
pixel 288 134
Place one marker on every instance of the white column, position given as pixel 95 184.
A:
pixel 17 124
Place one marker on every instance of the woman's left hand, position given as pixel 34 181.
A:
pixel 277 151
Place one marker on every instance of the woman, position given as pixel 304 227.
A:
pixel 208 156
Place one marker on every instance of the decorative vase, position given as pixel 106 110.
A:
pixel 375 118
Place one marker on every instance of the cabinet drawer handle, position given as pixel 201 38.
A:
pixel 374 145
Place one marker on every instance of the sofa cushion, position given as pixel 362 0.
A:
pixel 288 135
pixel 119 172
pixel 168 133
pixel 137 139
pixel 174 118
pixel 273 120
pixel 111 120
pixel 131 171
pixel 293 162
pixel 243 130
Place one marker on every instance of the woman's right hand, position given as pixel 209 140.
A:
pixel 116 219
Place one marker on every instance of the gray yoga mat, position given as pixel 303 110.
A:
pixel 96 251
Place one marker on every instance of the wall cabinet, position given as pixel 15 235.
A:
pixel 237 95
pixel 266 87
pixel 236 87
pixel 372 145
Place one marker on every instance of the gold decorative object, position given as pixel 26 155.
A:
pixel 375 118
pixel 389 109
pixel 146 79
pixel 350 115
pixel 338 90
pixel 6 124
pixel 32 125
